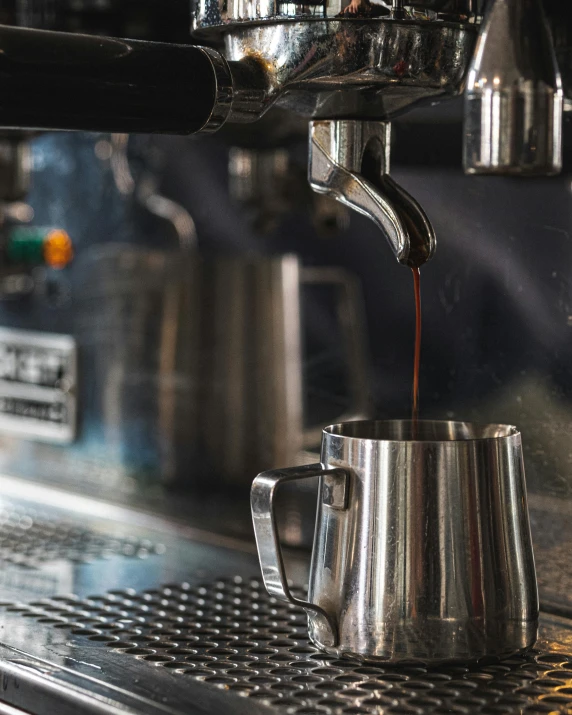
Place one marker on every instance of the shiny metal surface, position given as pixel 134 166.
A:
pixel 148 343
pixel 256 365
pixel 67 679
pixel 422 547
pixel 269 183
pixel 263 182
pixel 257 361
pixel 318 66
pixel 513 100
pixel 208 13
pixel 349 161
pixel 561 31
pixel 32 536
pixel 9 710
pixel 350 315
pixel 262 499
pixel 227 635
pixel 174 346
pixel 191 630
pixel 351 68
pixel 145 191
pixel 223 91
pixel 15 166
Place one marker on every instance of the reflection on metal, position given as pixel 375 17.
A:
pixel 373 68
pixel 186 635
pixel 513 100
pixel 147 193
pixel 351 316
pixel 119 163
pixel 228 646
pixel 270 184
pixel 18 211
pixel 349 161
pixel 9 710
pixel 33 537
pixel 15 166
pixel 422 547
pixel 262 499
pixel 169 210
pixel 137 322
pixel 92 512
pixel 195 625
pixel 266 184
pixel 193 366
pixel 209 13
pixel 256 360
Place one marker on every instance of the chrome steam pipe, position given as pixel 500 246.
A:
pixel 513 98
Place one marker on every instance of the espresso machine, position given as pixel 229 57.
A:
pixel 147 375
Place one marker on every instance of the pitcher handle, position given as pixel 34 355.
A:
pixel 262 496
pixel 350 312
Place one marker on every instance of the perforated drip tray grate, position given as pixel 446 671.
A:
pixel 231 635
pixel 206 646
pixel 30 537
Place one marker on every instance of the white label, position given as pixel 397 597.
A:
pixel 38 383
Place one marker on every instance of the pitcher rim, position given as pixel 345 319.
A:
pixel 459 431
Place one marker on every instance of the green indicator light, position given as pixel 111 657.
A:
pixel 26 245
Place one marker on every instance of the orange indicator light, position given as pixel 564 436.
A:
pixel 58 249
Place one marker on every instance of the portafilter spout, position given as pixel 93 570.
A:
pixel 349 161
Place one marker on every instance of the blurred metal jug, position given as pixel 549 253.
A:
pixel 253 369
pixel 422 548
pixel 194 363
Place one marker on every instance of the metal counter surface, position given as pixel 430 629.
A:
pixel 109 610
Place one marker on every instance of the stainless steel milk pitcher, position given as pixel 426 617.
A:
pixel 422 548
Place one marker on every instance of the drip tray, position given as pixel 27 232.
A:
pixel 109 611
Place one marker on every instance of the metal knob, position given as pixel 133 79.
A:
pixel 513 99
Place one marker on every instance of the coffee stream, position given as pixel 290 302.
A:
pixel 417 354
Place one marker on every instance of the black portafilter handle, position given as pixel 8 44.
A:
pixel 59 80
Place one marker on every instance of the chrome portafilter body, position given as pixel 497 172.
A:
pixel 350 67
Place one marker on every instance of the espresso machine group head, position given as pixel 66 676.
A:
pixel 349 67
